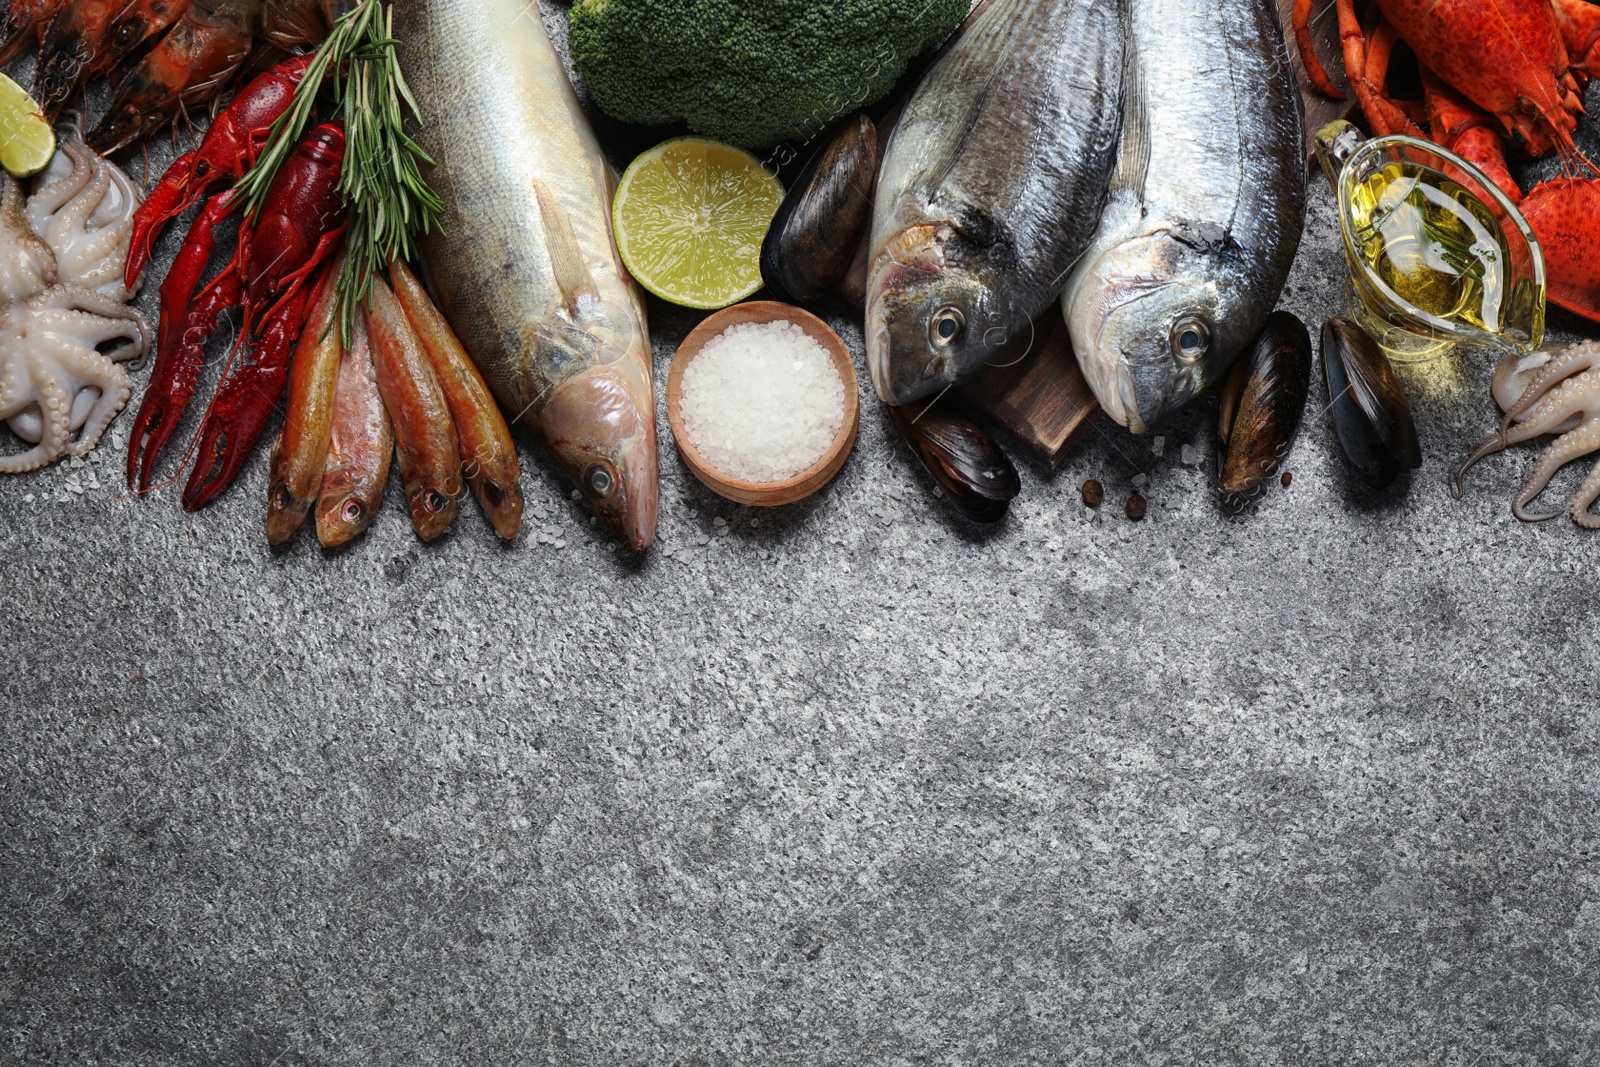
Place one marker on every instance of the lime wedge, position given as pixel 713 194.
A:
pixel 690 216
pixel 26 140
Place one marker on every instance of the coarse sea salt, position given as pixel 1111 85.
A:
pixel 762 401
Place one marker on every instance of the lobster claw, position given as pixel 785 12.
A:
pixel 176 374
pixel 244 404
pixel 181 341
pixel 171 196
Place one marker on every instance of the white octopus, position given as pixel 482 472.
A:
pixel 62 252
pixel 1555 393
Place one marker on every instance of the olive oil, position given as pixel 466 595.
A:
pixel 1433 244
pixel 1440 261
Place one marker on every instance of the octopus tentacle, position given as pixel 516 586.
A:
pixel 90 231
pixel 56 192
pixel 110 380
pixel 55 412
pixel 16 387
pixel 1573 360
pixel 1568 447
pixel 1515 435
pixel 100 306
pixel 1579 395
pixel 27 263
pixel 73 216
pixel 1585 497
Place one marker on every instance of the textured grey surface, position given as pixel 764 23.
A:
pixel 1315 783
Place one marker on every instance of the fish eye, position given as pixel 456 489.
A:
pixel 1191 339
pixel 946 326
pixel 599 480
pixel 352 511
pixel 434 501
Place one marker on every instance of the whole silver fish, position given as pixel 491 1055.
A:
pixel 990 188
pixel 1205 211
pixel 524 264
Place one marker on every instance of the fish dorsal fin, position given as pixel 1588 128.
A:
pixel 572 275
pixel 1133 155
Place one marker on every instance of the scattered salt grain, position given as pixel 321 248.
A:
pixel 762 401
pixel 1159 446
pixel 1190 456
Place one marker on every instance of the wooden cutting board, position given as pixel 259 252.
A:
pixel 1037 393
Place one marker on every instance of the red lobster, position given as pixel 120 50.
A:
pixel 1491 69
pixel 281 249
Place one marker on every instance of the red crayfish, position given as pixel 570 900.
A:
pixel 281 249
pixel 1491 70
pixel 230 147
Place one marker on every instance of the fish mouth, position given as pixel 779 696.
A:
pixel 1128 359
pixel 900 382
pixel 285 516
pixel 1105 364
pixel 342 518
pixel 920 277
pixel 599 429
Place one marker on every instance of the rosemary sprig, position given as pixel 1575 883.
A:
pixel 388 202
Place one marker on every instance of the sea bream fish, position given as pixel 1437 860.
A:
pixel 524 263
pixel 1205 211
pixel 990 188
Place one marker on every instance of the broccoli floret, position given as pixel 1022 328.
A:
pixel 750 72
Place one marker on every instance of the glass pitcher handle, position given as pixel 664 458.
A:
pixel 1336 143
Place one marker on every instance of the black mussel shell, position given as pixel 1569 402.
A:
pixel 814 236
pixel 974 474
pixel 1370 412
pixel 1263 404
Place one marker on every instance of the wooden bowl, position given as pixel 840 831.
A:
pixel 820 473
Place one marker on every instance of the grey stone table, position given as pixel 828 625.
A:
pixel 849 782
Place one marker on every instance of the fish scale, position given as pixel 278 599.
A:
pixel 1205 210
pixel 524 262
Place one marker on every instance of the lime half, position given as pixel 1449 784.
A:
pixel 26 140
pixel 690 216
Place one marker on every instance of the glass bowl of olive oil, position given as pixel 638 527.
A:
pixel 1439 257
